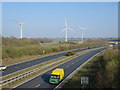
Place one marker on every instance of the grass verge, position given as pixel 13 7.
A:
pixel 88 70
pixel 102 71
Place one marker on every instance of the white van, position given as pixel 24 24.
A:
pixel 3 67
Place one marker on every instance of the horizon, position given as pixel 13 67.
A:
pixel 63 37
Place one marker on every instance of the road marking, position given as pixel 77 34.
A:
pixel 75 71
pixel 67 66
pixel 37 85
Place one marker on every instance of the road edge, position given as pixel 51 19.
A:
pixel 74 72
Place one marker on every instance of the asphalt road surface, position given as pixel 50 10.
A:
pixel 42 81
pixel 23 65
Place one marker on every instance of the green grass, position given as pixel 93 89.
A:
pixel 102 71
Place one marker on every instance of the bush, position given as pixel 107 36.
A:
pixel 108 78
pixel 70 53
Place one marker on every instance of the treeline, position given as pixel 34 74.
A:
pixel 109 76
pixel 24 41
pixel 13 47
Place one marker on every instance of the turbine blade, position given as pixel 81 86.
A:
pixel 63 30
pixel 70 29
pixel 21 23
pixel 80 27
pixel 85 28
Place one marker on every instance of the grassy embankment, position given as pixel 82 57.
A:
pixel 18 50
pixel 102 71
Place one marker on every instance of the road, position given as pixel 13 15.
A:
pixel 42 81
pixel 23 65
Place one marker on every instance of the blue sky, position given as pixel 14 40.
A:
pixel 46 19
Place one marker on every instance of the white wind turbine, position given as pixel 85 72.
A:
pixel 21 28
pixel 66 28
pixel 21 25
pixel 82 29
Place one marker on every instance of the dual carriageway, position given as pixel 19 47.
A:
pixel 42 80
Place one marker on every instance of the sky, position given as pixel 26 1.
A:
pixel 47 19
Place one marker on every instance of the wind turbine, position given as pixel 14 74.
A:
pixel 21 25
pixel 82 29
pixel 66 28
pixel 21 28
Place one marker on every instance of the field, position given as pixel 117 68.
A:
pixel 14 49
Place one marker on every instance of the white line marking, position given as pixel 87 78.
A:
pixel 75 71
pixel 37 85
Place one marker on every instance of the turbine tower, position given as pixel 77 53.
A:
pixel 82 29
pixel 66 28
pixel 21 25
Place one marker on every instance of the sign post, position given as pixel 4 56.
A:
pixel 84 81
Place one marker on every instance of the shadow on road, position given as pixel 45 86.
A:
pixel 46 77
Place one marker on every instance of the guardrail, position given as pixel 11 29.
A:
pixel 18 77
pixel 74 72
pixel 7 81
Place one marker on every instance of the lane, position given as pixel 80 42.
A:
pixel 23 65
pixel 69 70
pixel 42 81
pixel 20 66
